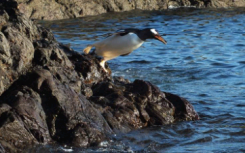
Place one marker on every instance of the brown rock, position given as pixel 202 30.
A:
pixel 27 104
pixel 13 134
pixel 226 3
pixel 62 9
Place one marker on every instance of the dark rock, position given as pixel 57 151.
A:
pixel 183 109
pixel 27 104
pixel 2 149
pixel 50 93
pixel 88 68
pixel 128 106
pixel 13 134
pixel 85 135
pixel 17 57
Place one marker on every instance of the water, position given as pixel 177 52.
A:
pixel 204 61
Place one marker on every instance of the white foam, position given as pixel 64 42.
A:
pixel 104 144
pixel 154 31
pixel 173 7
pixel 176 7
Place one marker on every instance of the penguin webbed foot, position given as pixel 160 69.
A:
pixel 107 70
pixel 102 64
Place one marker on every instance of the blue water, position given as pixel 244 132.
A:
pixel 204 61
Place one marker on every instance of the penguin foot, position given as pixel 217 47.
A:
pixel 102 64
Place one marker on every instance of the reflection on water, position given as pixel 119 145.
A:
pixel 204 61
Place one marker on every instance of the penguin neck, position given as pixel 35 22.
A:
pixel 142 35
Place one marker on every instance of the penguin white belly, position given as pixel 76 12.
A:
pixel 117 45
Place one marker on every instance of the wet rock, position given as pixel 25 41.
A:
pixel 27 104
pixel 13 134
pixel 52 94
pixel 183 109
pixel 85 135
pixel 127 106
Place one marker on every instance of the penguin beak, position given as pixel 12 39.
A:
pixel 160 38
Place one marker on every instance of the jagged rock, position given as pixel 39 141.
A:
pixel 2 149
pixel 63 9
pixel 13 134
pixel 183 109
pixel 226 3
pixel 127 106
pixel 47 10
pixel 16 58
pixel 27 104
pixel 50 93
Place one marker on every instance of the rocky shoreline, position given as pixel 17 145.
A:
pixel 64 9
pixel 52 94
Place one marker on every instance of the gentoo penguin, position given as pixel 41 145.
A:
pixel 122 43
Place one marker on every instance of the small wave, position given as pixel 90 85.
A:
pixel 225 65
pixel 241 62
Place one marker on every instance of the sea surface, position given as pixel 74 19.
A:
pixel 204 62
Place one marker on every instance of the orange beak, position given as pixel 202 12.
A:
pixel 158 37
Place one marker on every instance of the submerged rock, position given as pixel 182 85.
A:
pixel 51 94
